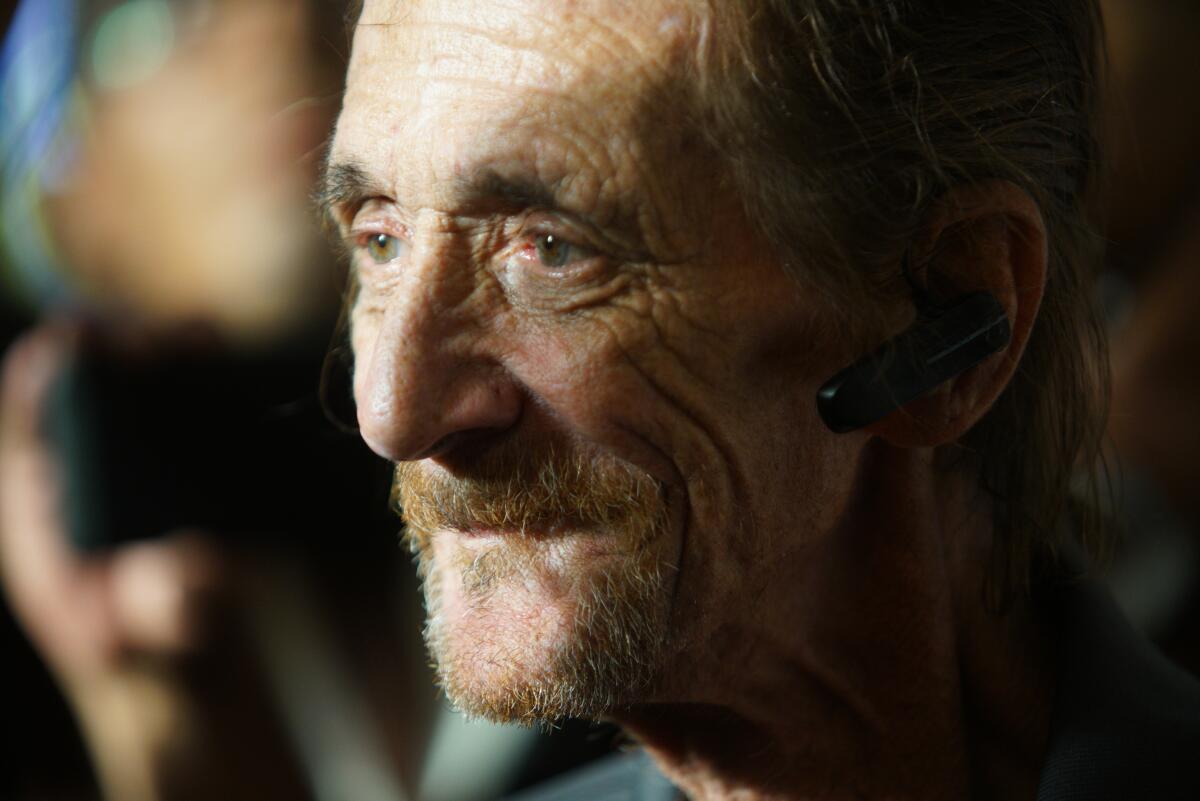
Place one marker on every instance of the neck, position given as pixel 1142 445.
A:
pixel 866 665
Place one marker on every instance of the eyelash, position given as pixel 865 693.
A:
pixel 533 245
pixel 537 245
pixel 360 240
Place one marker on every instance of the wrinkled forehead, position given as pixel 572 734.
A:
pixel 588 63
pixel 550 37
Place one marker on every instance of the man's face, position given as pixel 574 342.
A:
pixel 597 382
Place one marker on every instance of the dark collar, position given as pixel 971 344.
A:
pixel 1126 722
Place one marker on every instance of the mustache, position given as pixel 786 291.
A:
pixel 528 486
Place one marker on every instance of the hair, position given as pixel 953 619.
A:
pixel 843 121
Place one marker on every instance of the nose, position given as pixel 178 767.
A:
pixel 426 382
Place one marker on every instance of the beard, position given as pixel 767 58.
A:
pixel 561 610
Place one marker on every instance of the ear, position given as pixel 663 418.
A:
pixel 987 236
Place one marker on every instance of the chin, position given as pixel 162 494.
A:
pixel 528 628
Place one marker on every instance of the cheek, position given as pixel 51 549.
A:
pixel 576 385
pixel 584 369
pixel 587 376
pixel 570 367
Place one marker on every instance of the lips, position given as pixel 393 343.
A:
pixel 535 530
pixel 530 490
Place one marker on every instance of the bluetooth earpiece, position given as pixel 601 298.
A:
pixel 944 342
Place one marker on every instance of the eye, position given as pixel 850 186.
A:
pixel 382 248
pixel 554 251
pixel 548 271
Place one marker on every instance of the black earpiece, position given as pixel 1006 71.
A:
pixel 944 342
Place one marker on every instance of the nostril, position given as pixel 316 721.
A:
pixel 400 442
pixel 446 443
pixel 462 447
pixel 412 408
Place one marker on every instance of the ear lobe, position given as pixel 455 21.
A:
pixel 982 237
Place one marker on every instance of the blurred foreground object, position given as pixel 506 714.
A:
pixel 166 172
pixel 204 667
pixel 156 165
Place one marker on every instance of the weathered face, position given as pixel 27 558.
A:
pixel 597 382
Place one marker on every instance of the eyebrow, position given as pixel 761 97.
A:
pixel 348 184
pixel 489 184
pixel 343 184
